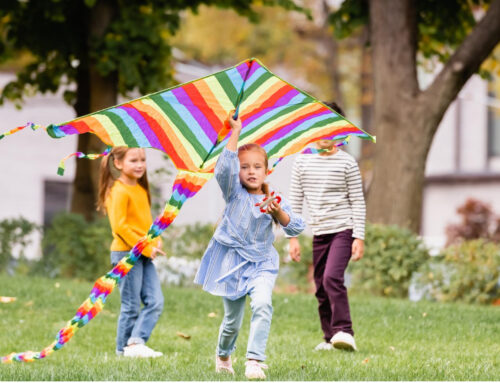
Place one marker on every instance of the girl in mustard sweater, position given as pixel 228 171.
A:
pixel 124 197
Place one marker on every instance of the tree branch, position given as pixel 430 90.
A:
pixel 464 63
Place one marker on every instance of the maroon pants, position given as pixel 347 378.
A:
pixel 331 254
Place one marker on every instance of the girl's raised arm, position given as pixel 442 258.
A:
pixel 232 143
pixel 227 168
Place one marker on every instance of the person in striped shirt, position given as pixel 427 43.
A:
pixel 240 259
pixel 330 183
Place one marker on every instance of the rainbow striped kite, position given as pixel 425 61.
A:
pixel 187 122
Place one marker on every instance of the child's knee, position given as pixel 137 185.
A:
pixel 157 305
pixel 333 282
pixel 262 305
pixel 231 325
pixel 130 309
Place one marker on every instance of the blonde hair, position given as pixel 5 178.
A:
pixel 259 149
pixel 107 177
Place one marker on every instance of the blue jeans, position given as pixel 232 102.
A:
pixel 141 284
pixel 262 312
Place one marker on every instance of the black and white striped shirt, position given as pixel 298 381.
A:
pixel 333 190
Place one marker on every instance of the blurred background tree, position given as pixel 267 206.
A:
pixel 95 50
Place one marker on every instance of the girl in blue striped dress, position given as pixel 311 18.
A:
pixel 240 259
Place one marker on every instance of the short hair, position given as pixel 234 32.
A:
pixel 333 105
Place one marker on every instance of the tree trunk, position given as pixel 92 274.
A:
pixel 95 92
pixel 395 195
pixel 331 58
pixel 405 118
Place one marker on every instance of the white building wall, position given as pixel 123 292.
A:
pixel 441 158
pixel 473 127
pixel 464 129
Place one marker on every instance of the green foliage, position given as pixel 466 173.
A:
pixel 468 272
pixel 73 247
pixel 351 15
pixel 14 237
pixel 61 37
pixel 292 273
pixel 188 241
pixel 392 256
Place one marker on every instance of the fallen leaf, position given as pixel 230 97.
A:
pixel 57 285
pixel 182 335
pixel 392 348
pixel 365 361
pixel 212 315
pixel 7 299
pixel 424 314
pixel 235 360
pixel 28 304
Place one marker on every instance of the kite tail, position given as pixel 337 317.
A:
pixel 186 185
pixel 62 166
pixel 15 130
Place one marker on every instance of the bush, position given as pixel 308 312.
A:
pixel 14 238
pixel 478 221
pixel 468 272
pixel 75 248
pixel 184 246
pixel 392 256
pixel 295 275
pixel 189 241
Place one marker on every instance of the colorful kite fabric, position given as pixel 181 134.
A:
pixel 187 122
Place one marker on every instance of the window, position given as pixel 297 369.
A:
pixel 56 199
pixel 494 118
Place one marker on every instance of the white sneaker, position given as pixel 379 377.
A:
pixel 323 346
pixel 254 369
pixel 140 351
pixel 343 341
pixel 223 365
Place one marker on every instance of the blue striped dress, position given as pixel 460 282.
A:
pixel 242 246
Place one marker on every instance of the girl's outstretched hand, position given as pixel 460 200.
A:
pixel 274 208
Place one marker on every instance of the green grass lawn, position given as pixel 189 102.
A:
pixel 397 339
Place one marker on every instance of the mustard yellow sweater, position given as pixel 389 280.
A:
pixel 129 214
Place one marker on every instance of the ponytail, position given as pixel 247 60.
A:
pixel 106 181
